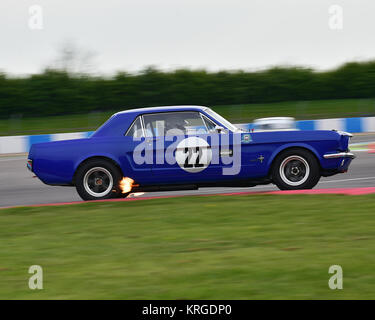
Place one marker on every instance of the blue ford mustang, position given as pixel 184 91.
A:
pixel 187 147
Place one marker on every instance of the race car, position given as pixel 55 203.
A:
pixel 186 147
pixel 274 124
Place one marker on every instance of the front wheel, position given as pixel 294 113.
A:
pixel 97 180
pixel 295 169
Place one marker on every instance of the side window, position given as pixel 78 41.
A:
pixel 174 123
pixel 209 124
pixel 135 130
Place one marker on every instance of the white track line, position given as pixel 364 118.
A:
pixel 267 186
pixel 329 181
pixel 361 143
pixel 353 179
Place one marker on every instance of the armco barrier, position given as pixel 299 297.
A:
pixel 22 144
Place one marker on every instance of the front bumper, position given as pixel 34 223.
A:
pixel 339 155
pixel 337 163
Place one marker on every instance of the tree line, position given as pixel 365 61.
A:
pixel 56 92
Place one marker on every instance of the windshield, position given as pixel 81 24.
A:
pixel 222 120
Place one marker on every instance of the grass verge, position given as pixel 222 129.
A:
pixel 214 247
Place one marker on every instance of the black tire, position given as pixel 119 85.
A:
pixel 98 179
pixel 295 169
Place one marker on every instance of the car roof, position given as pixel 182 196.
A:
pixel 162 109
pixel 115 125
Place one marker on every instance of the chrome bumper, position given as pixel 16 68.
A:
pixel 339 155
pixel 343 133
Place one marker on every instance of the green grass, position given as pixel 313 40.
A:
pixel 57 124
pixel 217 247
pixel 237 114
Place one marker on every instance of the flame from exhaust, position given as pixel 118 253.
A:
pixel 127 184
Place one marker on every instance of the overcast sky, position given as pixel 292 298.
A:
pixel 212 34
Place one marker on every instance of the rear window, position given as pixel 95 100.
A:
pixel 135 129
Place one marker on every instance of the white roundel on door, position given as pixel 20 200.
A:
pixel 193 154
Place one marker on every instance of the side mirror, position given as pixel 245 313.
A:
pixel 219 129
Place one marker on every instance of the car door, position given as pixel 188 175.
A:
pixel 185 150
pixel 249 153
pixel 135 164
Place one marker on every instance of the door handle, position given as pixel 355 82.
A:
pixel 149 140
pixel 226 152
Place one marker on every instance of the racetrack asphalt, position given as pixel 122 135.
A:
pixel 18 187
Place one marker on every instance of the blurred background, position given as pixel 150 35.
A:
pixel 67 66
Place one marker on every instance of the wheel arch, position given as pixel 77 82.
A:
pixel 305 147
pixel 96 157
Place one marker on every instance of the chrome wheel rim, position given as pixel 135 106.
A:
pixel 294 170
pixel 98 182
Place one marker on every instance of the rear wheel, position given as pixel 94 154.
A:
pixel 295 169
pixel 98 179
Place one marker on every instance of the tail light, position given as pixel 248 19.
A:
pixel 30 165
